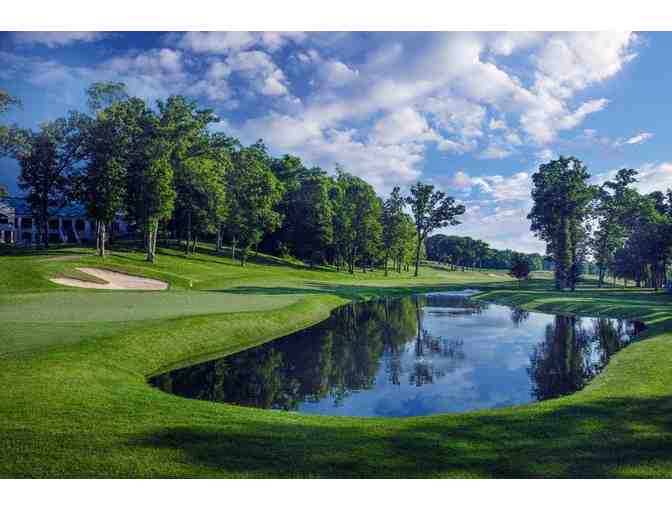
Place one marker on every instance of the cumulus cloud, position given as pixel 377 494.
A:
pixel 56 39
pixel 220 43
pixel 336 73
pixel 640 138
pixel 404 125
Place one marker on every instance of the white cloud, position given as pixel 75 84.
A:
pixel 56 39
pixel 336 74
pixel 221 43
pixel 508 42
pixel 495 152
pixel 405 125
pixel 640 138
pixel 654 177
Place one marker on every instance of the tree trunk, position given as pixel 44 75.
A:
pixel 101 239
pixel 386 257
pixel 417 256
pixel 152 227
pixel 155 240
pixel 233 248
pixel 186 247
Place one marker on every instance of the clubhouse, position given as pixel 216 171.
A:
pixel 67 225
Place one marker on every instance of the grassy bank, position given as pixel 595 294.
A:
pixel 75 403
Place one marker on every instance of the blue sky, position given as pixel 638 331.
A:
pixel 474 113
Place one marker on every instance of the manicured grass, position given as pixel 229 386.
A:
pixel 75 402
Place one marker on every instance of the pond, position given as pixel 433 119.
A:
pixel 412 356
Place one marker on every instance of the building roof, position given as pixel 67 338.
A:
pixel 21 208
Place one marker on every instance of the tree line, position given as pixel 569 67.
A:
pixel 172 175
pixel 465 252
pixel 627 234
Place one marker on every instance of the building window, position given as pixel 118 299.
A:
pixel 115 227
pixel 4 220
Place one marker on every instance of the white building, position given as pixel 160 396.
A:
pixel 67 225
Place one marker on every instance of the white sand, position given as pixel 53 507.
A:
pixel 117 281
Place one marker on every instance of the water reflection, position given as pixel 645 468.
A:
pixel 411 356
pixel 575 350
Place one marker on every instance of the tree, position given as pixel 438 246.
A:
pixel 520 267
pixel 7 134
pixel 562 196
pixel 253 193
pixel 393 216
pixel 431 210
pixel 357 220
pixel 103 94
pixel 615 202
pixel 45 163
pixel 101 185
pixel 150 196
pixel 198 168
pixel 3 191
pixel 310 218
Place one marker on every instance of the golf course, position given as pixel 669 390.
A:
pixel 74 365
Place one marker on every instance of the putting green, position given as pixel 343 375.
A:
pixel 110 306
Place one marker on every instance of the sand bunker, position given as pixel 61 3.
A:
pixel 116 281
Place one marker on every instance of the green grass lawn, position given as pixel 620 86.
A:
pixel 75 402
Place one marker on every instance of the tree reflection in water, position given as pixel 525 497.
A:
pixel 574 351
pixel 412 344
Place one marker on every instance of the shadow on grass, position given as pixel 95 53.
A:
pixel 606 438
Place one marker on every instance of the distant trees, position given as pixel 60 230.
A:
pixel 431 210
pixel 466 252
pixel 562 197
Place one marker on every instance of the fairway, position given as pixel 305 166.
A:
pixel 76 402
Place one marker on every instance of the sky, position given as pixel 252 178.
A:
pixel 474 113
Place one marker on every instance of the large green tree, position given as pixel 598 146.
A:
pixel 393 225
pixel 198 168
pixel 310 218
pixel 253 193
pixel 357 221
pixel 562 195
pixel 615 204
pixel 102 182
pixel 150 196
pixel 432 209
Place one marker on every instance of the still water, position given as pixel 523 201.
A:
pixel 412 356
